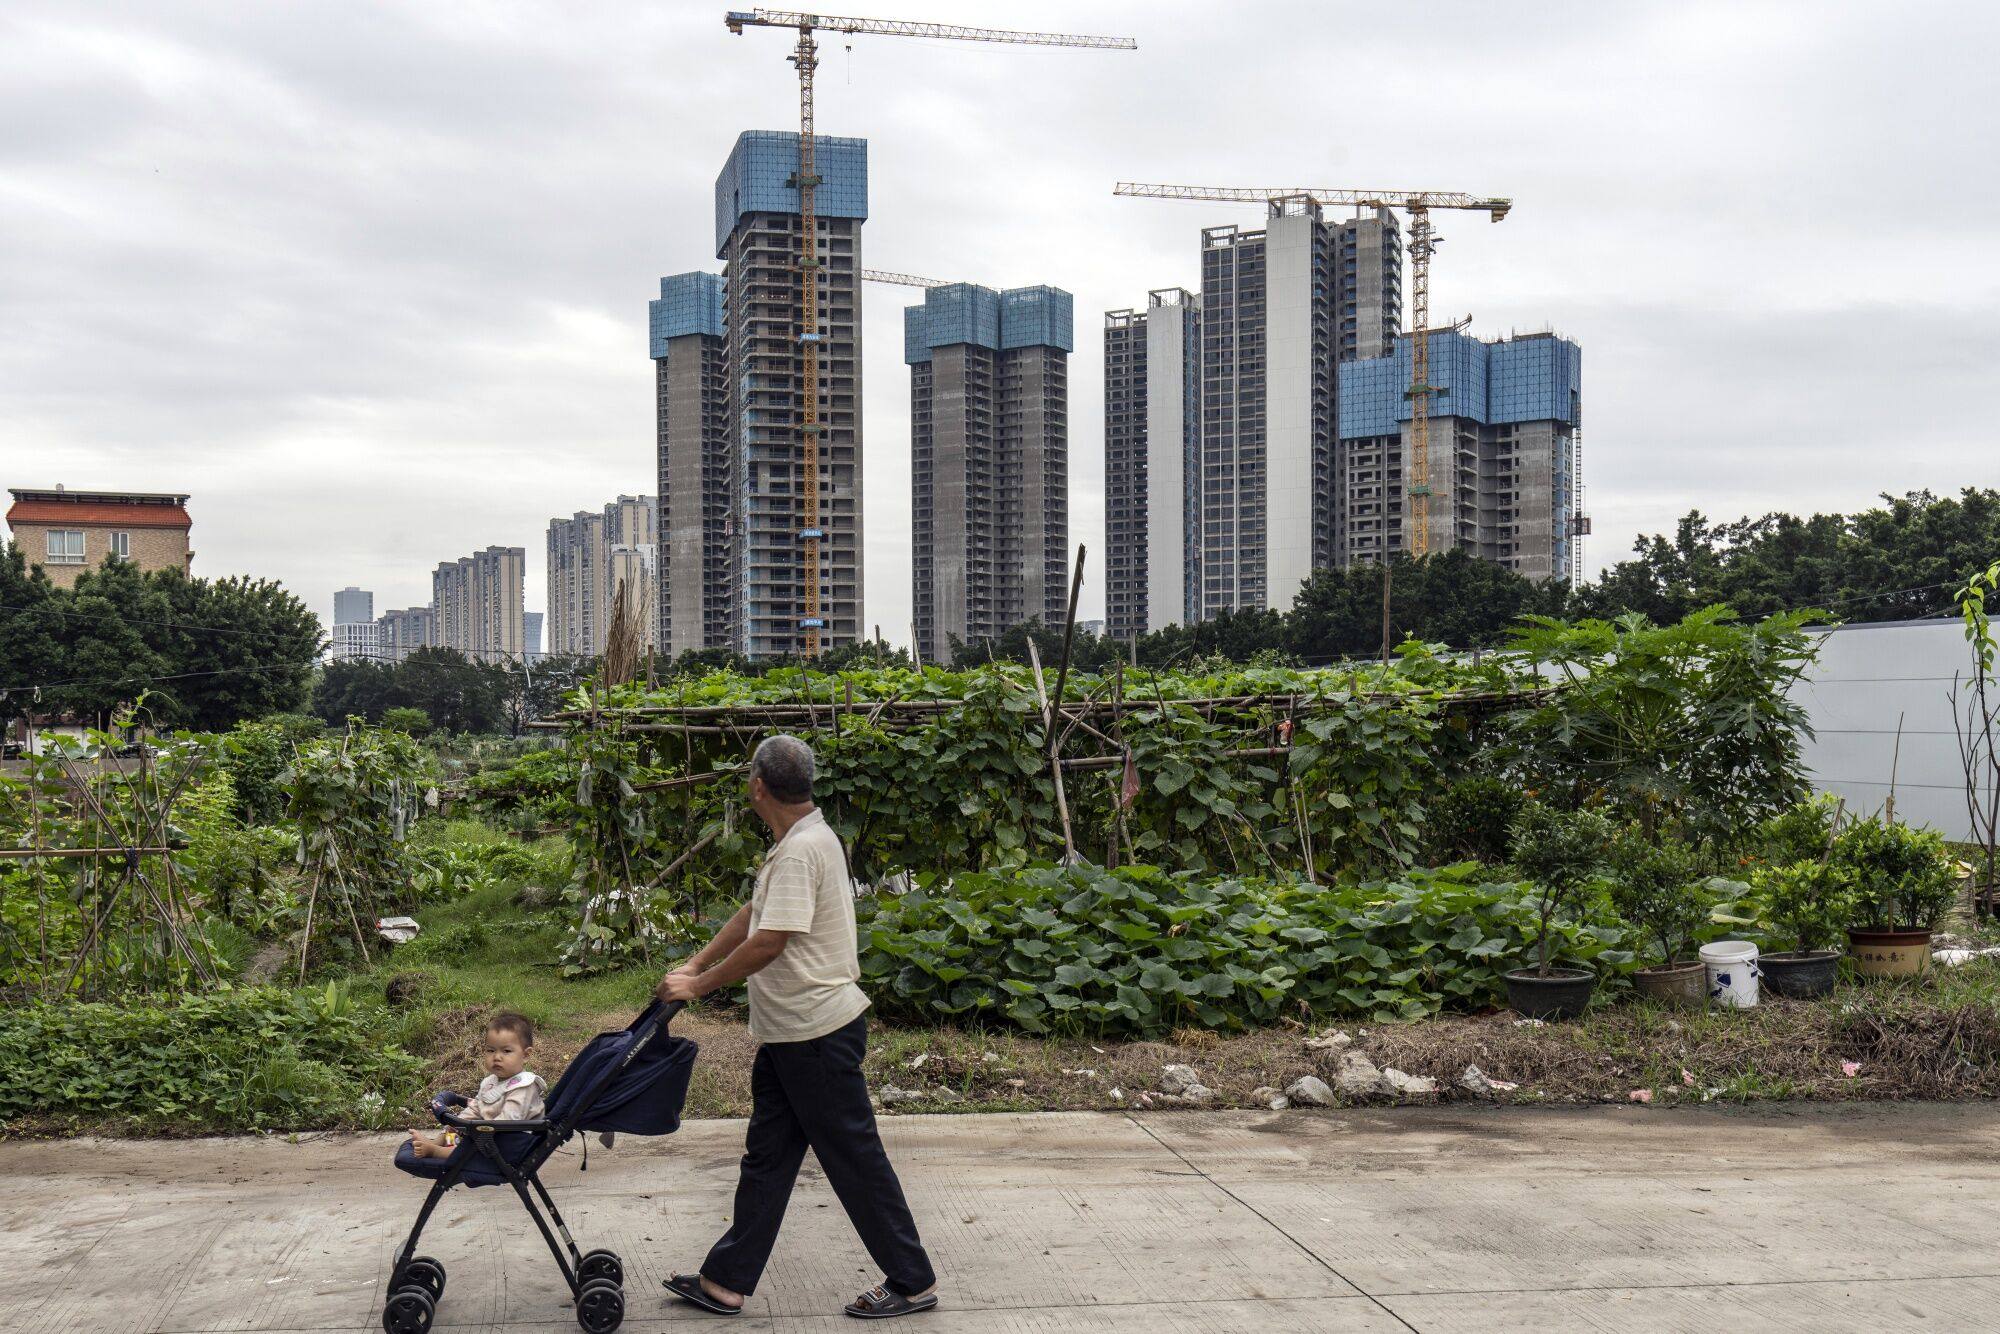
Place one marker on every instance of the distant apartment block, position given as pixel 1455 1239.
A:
pixel 1505 428
pixel 67 532
pixel 354 641
pixel 591 556
pixel 531 631
pixel 1152 463
pixel 989 422
pixel 352 605
pixel 477 604
pixel 399 633
pixel 697 555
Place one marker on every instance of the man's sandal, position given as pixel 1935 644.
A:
pixel 688 1288
pixel 880 1304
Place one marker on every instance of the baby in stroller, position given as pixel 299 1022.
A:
pixel 508 1093
pixel 634 1080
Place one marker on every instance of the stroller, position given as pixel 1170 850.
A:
pixel 633 1081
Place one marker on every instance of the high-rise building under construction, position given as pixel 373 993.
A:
pixel 730 389
pixel 989 440
pixel 1506 422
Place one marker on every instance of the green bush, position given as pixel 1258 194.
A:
pixel 227 1061
pixel 1903 877
pixel 1561 853
pixel 1658 889
pixel 1140 952
pixel 1797 833
pixel 1809 904
pixel 1471 819
pixel 413 722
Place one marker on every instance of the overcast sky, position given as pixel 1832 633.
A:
pixel 369 279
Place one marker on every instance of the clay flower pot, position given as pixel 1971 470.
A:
pixel 1681 982
pixel 1889 953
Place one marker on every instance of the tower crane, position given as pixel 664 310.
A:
pixel 1423 243
pixel 805 58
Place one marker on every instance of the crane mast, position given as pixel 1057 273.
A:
pixel 805 57
pixel 1423 244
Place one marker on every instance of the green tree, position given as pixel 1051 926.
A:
pixel 458 694
pixel 32 630
pixel 246 648
pixel 352 689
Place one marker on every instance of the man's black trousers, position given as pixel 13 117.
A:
pixel 812 1095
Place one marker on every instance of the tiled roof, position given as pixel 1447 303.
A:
pixel 98 514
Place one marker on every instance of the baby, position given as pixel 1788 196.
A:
pixel 508 1093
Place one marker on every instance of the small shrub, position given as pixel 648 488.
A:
pixel 410 722
pixel 1658 889
pixel 1903 877
pixel 1798 833
pixel 1808 903
pixel 1472 819
pixel 1560 852
pixel 226 1061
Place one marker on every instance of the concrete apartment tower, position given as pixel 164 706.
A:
pixel 351 606
pixel 398 633
pixel 1505 451
pixel 989 439
pixel 1152 463
pixel 589 556
pixel 757 238
pixel 696 598
pixel 477 604
pixel 1281 307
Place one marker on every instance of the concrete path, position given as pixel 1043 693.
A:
pixel 1477 1219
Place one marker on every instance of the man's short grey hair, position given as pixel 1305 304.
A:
pixel 785 763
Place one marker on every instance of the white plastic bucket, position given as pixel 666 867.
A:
pixel 1732 973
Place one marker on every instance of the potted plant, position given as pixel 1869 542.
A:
pixel 1903 885
pixel 1807 904
pixel 1558 853
pixel 1657 888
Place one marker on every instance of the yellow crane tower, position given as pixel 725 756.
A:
pixel 1422 244
pixel 805 57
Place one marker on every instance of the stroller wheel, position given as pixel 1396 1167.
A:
pixel 600 1264
pixel 409 1311
pixel 422 1272
pixel 600 1307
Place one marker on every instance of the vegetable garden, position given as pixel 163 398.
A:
pixel 1120 855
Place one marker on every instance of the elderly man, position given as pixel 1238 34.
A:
pixel 794 944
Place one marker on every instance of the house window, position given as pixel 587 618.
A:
pixel 121 545
pixel 65 546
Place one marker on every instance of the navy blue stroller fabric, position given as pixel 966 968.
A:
pixel 644 1097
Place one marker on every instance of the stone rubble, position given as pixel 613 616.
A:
pixel 1357 1077
pixel 1310 1091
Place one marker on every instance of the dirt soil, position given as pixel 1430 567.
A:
pixel 1860 1045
